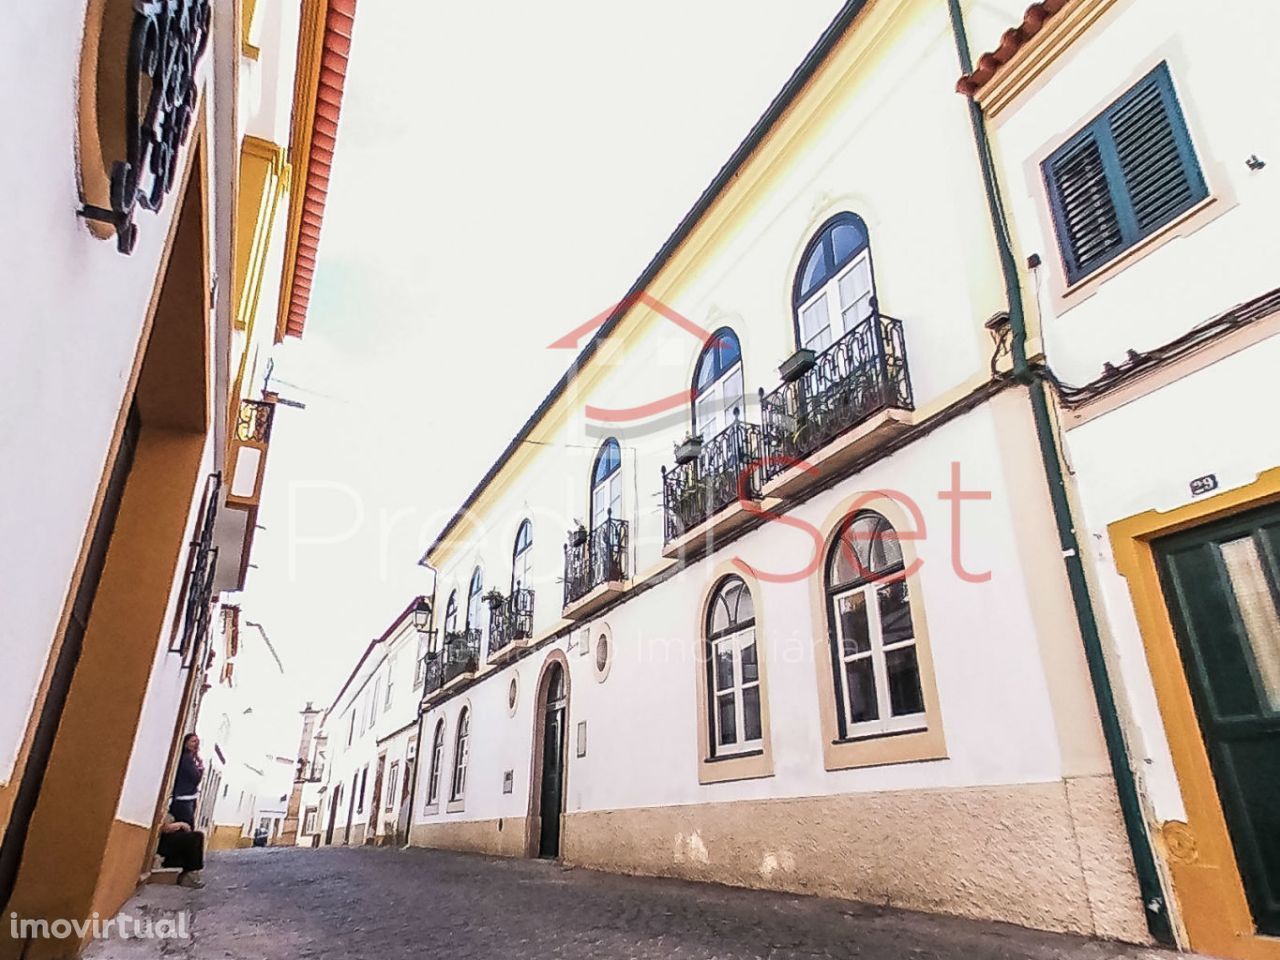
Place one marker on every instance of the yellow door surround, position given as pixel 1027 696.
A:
pixel 1199 854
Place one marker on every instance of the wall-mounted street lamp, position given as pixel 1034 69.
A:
pixel 422 615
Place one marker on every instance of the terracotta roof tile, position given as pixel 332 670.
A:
pixel 1013 40
pixel 339 20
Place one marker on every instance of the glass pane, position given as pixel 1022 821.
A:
pixel 895 613
pixel 704 415
pixel 851 614
pixel 725 708
pixel 724 666
pixel 599 505
pixel 862 691
pixel 814 321
pixel 734 396
pixel 743 611
pixel 608 460
pixel 815 270
pixel 751 713
pixel 706 371
pixel 904 682
pixel 750 668
pixel 1257 613
pixel 847 238
pixel 856 289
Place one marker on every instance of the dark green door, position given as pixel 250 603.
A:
pixel 1222 584
pixel 552 787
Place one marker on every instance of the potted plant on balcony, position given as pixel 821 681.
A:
pixel 688 449
pixel 494 598
pixel 578 535
pixel 797 365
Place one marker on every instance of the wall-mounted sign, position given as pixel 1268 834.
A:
pixel 582 738
pixel 508 781
pixel 1202 485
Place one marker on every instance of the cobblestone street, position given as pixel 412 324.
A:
pixel 387 904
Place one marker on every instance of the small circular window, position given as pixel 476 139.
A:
pixel 513 694
pixel 603 656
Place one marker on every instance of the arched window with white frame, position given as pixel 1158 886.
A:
pixel 433 772
pixel 451 613
pixel 606 484
pixel 718 389
pixel 522 557
pixel 461 754
pixel 873 642
pixel 835 287
pixel 475 601
pixel 733 670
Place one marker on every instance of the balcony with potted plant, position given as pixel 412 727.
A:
pixel 510 623
pixel 836 406
pixel 595 567
pixel 703 494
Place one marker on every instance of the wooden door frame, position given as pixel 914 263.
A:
pixel 1206 877
pixel 533 822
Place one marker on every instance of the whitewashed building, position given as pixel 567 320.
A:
pixel 769 589
pixel 172 162
pixel 370 735
pixel 1138 159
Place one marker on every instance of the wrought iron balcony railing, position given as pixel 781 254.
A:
pixel 459 654
pixel 510 619
pixel 600 557
pixel 727 466
pixel 253 422
pixel 861 374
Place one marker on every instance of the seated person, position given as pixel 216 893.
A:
pixel 182 847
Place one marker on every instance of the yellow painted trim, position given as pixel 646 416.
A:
pixel 731 767
pixel 302 128
pixel 1030 63
pixel 1199 854
pixel 247 9
pixel 265 178
pixel 927 744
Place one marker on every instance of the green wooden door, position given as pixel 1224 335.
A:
pixel 1222 584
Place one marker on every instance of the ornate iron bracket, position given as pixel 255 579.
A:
pixel 166 42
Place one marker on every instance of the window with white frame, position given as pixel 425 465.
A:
pixel 475 600
pixel 873 644
pixel 461 754
pixel 451 613
pixel 309 820
pixel 393 781
pixel 606 484
pixel 522 557
pixel 718 391
pixel 733 670
pixel 433 773
pixel 391 680
pixel 835 288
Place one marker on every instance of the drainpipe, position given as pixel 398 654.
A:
pixel 1149 883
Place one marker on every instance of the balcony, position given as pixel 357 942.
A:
pixel 836 407
pixel 595 568
pixel 457 659
pixel 702 498
pixel 510 623
pixel 246 462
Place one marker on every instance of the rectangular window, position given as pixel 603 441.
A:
pixel 1125 175
pixel 879 675
pixel 735 681
pixel 309 821
pixel 393 777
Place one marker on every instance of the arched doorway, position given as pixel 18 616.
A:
pixel 547 786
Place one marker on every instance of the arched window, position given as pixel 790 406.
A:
pixel 606 484
pixel 717 384
pixel 433 773
pixel 461 753
pixel 475 605
pixel 733 670
pixel 522 557
pixel 877 675
pixel 835 288
pixel 451 613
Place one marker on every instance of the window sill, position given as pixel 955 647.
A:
pixel 455 806
pixel 747 765
pixel 885 749
pixel 885 735
pixel 432 810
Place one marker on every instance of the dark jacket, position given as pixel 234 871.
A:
pixel 186 781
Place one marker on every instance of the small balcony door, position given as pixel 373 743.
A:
pixel 836 287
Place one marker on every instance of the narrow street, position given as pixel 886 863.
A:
pixel 387 904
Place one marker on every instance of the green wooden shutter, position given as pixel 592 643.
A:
pixel 1125 175
pixel 1088 223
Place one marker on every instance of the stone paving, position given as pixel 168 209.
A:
pixel 383 904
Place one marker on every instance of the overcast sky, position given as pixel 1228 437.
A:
pixel 504 172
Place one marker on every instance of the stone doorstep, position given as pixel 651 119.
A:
pixel 164 876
